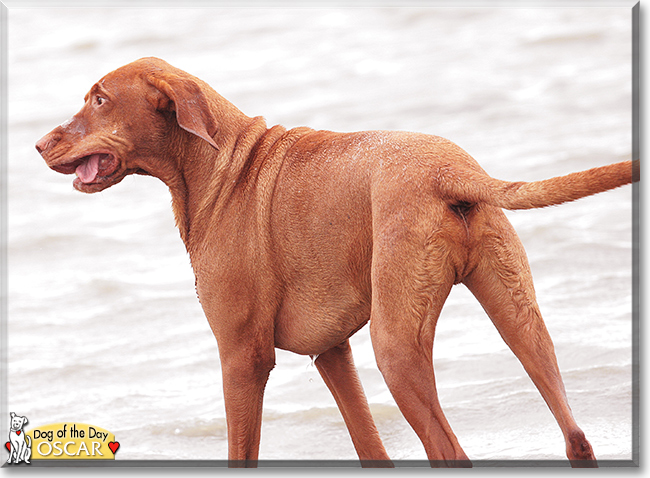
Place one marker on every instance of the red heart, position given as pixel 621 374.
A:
pixel 113 445
pixel 8 445
pixel 18 432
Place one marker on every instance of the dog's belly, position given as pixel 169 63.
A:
pixel 326 293
pixel 311 321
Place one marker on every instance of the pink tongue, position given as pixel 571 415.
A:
pixel 87 171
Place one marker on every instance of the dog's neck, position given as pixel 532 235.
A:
pixel 202 187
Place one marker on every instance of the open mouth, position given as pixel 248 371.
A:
pixel 93 171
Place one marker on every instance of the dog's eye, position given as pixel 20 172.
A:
pixel 99 100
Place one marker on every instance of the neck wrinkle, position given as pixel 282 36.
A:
pixel 207 179
pixel 210 176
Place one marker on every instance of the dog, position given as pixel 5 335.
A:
pixel 21 445
pixel 298 238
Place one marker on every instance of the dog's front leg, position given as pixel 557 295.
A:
pixel 244 329
pixel 336 366
pixel 13 454
pixel 245 373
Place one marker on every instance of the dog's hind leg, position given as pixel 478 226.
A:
pixel 502 282
pixel 411 279
pixel 336 366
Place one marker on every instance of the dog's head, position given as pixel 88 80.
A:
pixel 133 121
pixel 17 422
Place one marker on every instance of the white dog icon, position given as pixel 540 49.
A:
pixel 21 449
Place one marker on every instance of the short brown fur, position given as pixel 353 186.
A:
pixel 298 238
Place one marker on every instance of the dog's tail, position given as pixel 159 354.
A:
pixel 478 187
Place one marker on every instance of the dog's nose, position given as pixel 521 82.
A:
pixel 46 142
pixel 41 145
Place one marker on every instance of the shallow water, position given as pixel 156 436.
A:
pixel 104 325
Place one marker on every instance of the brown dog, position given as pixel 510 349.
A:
pixel 298 238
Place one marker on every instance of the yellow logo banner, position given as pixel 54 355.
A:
pixel 72 441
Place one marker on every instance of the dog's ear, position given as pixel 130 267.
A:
pixel 24 421
pixel 185 97
pixel 12 414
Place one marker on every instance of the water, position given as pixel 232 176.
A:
pixel 104 325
